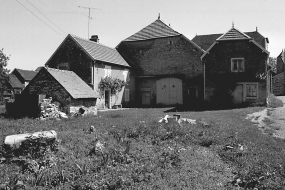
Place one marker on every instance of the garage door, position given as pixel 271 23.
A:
pixel 169 91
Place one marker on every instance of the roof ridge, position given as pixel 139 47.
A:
pixel 60 70
pixel 24 70
pixel 91 41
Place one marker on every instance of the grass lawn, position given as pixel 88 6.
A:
pixel 138 152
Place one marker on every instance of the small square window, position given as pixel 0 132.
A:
pixel 251 90
pixel 237 65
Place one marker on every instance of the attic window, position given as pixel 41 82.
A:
pixel 170 42
pixel 237 64
pixel 63 66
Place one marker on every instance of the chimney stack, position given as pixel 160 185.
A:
pixel 94 38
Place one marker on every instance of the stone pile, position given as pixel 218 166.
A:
pixel 50 110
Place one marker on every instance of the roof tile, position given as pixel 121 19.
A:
pixel 100 52
pixel 157 29
pixel 14 81
pixel 73 84
pixel 26 74
pixel 205 41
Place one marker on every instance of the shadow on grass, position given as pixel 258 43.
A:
pixel 200 107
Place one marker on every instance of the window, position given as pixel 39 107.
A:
pixel 107 71
pixel 127 95
pixel 63 66
pixel 237 64
pixel 251 90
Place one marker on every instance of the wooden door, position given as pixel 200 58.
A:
pixel 146 97
pixel 238 94
pixel 169 91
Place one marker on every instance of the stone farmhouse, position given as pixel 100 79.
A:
pixel 235 66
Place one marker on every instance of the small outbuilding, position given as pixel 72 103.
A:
pixel 65 87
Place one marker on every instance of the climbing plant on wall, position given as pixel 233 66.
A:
pixel 114 84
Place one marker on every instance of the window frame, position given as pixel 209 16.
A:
pixel 246 91
pixel 238 70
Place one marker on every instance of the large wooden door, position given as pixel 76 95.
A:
pixel 169 91
pixel 238 94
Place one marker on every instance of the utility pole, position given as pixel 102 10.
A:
pixel 88 16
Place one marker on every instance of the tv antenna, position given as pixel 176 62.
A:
pixel 89 17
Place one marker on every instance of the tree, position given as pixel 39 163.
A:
pixel 3 72
pixel 273 63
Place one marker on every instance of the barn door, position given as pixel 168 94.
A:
pixel 169 91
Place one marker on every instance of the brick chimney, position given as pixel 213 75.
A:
pixel 94 38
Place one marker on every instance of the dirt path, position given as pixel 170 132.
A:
pixel 278 117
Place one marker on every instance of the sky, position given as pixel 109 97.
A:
pixel 31 30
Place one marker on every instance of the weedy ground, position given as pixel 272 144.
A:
pixel 130 149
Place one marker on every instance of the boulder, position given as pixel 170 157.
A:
pixel 16 140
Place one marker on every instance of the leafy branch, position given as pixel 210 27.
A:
pixel 114 84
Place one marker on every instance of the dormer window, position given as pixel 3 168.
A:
pixel 237 64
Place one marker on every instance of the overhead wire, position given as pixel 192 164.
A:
pixel 39 18
pixel 45 16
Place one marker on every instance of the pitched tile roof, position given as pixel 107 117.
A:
pixel 100 52
pixel 14 81
pixel 26 74
pixel 72 83
pixel 233 34
pixel 205 41
pixel 157 29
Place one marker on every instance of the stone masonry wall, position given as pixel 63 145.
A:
pixel 278 84
pixel 44 83
pixel 165 57
pixel 218 66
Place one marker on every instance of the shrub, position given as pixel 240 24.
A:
pixel 273 101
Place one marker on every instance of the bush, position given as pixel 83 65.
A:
pixel 273 101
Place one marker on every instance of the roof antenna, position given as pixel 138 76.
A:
pixel 158 16
pixel 233 24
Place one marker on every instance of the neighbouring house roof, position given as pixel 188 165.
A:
pixel 26 74
pixel 14 82
pixel 157 29
pixel 72 83
pixel 205 41
pixel 233 34
pixel 97 51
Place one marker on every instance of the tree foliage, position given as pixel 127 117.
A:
pixel 114 84
pixel 3 71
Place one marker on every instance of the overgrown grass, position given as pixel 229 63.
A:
pixel 140 153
